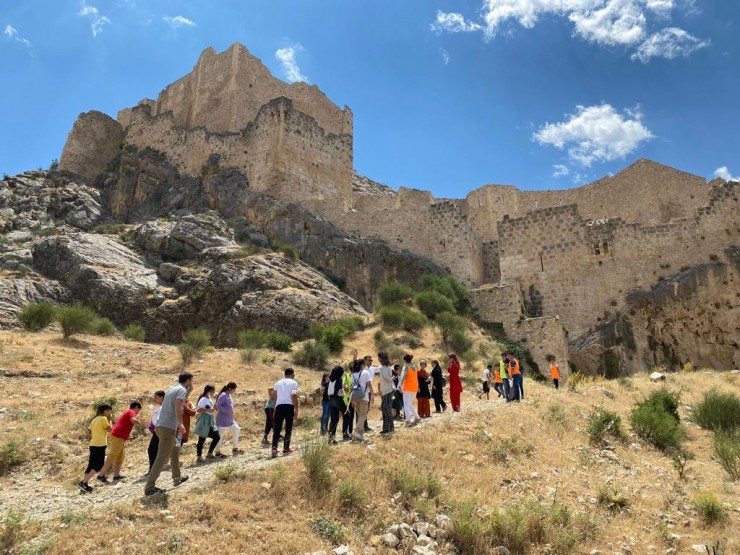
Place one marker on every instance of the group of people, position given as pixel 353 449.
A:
pixel 346 393
pixel 349 392
pixel 507 379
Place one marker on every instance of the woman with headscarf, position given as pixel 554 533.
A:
pixel 456 388
pixel 423 395
pixel 438 385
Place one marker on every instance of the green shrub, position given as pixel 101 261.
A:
pixel 412 483
pixel 312 354
pixel 612 498
pixel 134 332
pixel 227 473
pixel 333 337
pixel 656 426
pixel 351 323
pixel 727 452
pixel 461 342
pixel 316 454
pixel 709 507
pixel 718 411
pixel 449 323
pixel 513 347
pixel 329 529
pixel 352 497
pixel 470 533
pixel 680 459
pixel 102 326
pixel 382 343
pixel 432 303
pixel 36 316
pixel 198 339
pixel 288 250
pixel 398 317
pixel 112 401
pixel 602 423
pixel 187 352
pixel 393 293
pixel 519 526
pixel 252 338
pixel 13 452
pixel 278 341
pixel 12 532
pixel 74 319
pixel 450 288
pixel 247 356
pixel 665 400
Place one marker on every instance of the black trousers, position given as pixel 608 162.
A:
pixel 439 402
pixel 283 414
pixel 386 408
pixel 269 421
pixel 214 435
pixel 336 407
pixel 348 419
pixel 152 449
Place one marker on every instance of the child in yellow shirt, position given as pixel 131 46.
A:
pixel 98 442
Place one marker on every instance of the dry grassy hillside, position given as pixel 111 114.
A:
pixel 528 467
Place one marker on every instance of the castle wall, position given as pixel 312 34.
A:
pixel 282 152
pixel 226 91
pixel 581 270
pixel 95 139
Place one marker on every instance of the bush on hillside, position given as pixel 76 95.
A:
pixel 432 303
pixel 199 339
pixel 399 317
pixel 717 411
pixel 278 341
pixel 450 288
pixel 112 401
pixel 603 423
pixel 393 293
pixel 252 338
pixel 13 452
pixel 288 250
pixel 316 454
pixel 448 323
pixel 513 347
pixel 351 323
pixel 333 337
pixel 187 352
pixel 102 326
pixel 727 452
pixel 312 354
pixel 656 424
pixel 461 342
pixel 36 316
pixel 665 400
pixel 134 332
pixel 74 319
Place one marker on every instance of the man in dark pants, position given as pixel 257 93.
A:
pixel 286 410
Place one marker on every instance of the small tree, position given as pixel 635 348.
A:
pixel 74 319
pixel 36 316
pixel 54 166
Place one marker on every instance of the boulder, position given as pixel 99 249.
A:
pixel 657 377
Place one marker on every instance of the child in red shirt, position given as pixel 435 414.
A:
pixel 118 435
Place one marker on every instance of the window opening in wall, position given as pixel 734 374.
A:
pixel 606 247
pixel 597 249
pixel 542 264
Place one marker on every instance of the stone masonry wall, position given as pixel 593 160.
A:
pixel 282 152
pixel 95 139
pixel 226 91
pixel 576 268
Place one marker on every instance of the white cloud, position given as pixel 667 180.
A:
pixel 560 170
pixel 670 43
pixel 178 21
pixel 445 55
pixel 604 22
pixel 596 133
pixel 96 19
pixel 661 7
pixel 286 56
pixel 453 23
pixel 12 33
pixel 725 174
pixel 617 22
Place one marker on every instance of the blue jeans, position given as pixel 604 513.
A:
pixel 507 389
pixel 518 386
pixel 324 415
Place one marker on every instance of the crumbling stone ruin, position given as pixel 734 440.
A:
pixel 550 267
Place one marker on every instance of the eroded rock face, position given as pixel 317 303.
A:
pixel 692 316
pixel 144 186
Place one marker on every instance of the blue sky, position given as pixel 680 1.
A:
pixel 447 96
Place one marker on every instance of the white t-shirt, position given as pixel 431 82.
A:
pixel 486 375
pixel 366 382
pixel 204 403
pixel 155 415
pixel 284 389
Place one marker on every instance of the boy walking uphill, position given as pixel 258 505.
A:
pixel 118 435
pixel 169 426
pixel 554 373
pixel 98 442
pixel 286 409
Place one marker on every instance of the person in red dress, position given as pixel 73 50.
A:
pixel 453 378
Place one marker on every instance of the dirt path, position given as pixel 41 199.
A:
pixel 42 502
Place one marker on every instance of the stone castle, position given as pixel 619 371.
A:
pixel 548 266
